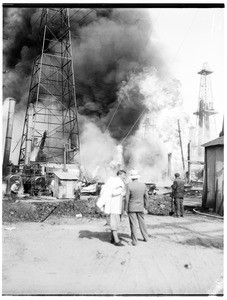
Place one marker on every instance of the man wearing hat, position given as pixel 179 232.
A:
pixel 178 195
pixel 135 204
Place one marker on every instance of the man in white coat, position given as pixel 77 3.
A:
pixel 111 202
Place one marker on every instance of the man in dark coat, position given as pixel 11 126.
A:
pixel 135 205
pixel 178 195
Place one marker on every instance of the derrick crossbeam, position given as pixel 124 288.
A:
pixel 52 95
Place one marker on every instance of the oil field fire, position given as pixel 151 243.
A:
pixel 113 149
pixel 101 98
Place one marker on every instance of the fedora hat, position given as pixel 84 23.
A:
pixel 134 174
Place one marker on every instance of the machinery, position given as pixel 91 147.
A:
pixel 33 180
pixel 41 155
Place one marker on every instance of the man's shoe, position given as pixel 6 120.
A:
pixel 134 244
pixel 119 244
pixel 182 216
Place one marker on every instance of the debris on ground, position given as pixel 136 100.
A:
pixel 23 211
pixel 188 266
pixel 159 205
pixel 79 216
pixel 9 228
pixel 40 209
pixel 49 214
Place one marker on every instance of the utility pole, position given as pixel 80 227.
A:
pixel 189 161
pixel 169 165
pixel 182 155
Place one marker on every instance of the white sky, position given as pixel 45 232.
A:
pixel 192 37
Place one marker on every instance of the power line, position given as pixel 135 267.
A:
pixel 121 100
pixel 16 145
pixel 185 36
pixel 133 126
pixel 113 114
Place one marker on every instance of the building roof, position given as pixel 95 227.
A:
pixel 218 141
pixel 66 175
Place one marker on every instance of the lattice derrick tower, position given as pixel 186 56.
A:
pixel 148 124
pixel 205 105
pixel 51 122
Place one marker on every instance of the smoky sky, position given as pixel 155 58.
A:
pixel 17 31
pixel 108 45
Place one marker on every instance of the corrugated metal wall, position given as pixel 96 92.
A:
pixel 213 193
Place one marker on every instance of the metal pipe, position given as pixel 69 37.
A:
pixel 169 165
pixel 28 145
pixel 65 156
pixel 181 147
pixel 189 161
pixel 9 131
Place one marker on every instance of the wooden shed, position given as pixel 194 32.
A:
pixel 65 184
pixel 213 188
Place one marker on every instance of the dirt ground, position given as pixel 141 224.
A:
pixel 74 257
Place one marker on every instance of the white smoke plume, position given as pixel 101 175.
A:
pixel 149 153
pixel 99 153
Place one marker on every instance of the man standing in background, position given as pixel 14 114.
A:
pixel 136 203
pixel 178 195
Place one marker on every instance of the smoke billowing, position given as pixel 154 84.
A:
pixel 108 45
pixel 108 50
pixel 119 81
pixel 19 50
pixel 147 150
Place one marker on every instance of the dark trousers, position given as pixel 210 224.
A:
pixel 13 196
pixel 179 207
pixel 133 218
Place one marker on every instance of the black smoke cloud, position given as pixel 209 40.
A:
pixel 18 34
pixel 108 48
pixel 20 48
pixel 108 45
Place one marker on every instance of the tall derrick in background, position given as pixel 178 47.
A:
pixel 146 125
pixel 50 132
pixel 205 106
pixel 149 127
